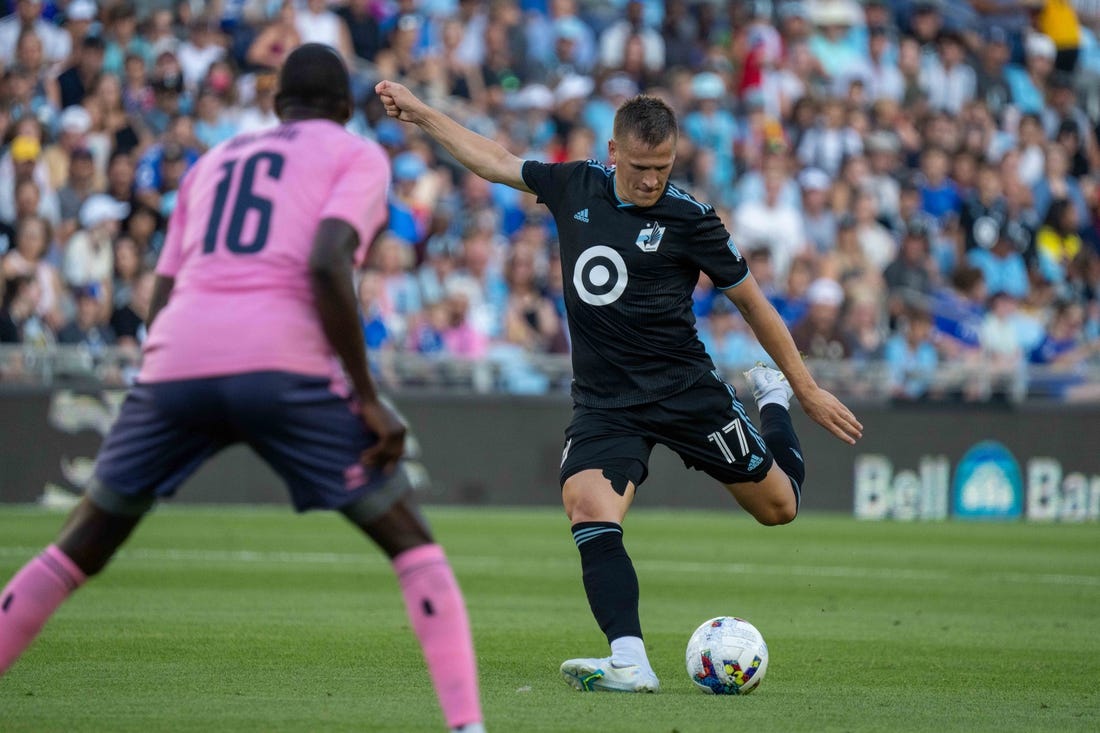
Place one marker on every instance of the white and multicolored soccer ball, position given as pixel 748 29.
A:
pixel 727 656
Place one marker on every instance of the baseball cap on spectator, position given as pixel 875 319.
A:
pixel 172 153
pixel 1040 46
pixel 1060 80
pixel 926 6
pixel 25 148
pixel 569 27
pixel 266 82
pixel 996 34
pixel 81 10
pixel 389 133
pixel 81 154
pixel 825 291
pixel 794 9
pixel 74 119
pixel 408 167
pixel 619 85
pixel 814 179
pixel 834 12
pixel 883 141
pixel 100 208
pixel 707 85
pixel 573 86
pixel 533 96
pixel 918 226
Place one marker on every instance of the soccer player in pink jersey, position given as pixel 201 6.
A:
pixel 254 337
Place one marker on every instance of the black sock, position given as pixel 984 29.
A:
pixel 609 578
pixel 778 433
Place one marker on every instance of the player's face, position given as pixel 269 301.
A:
pixel 641 171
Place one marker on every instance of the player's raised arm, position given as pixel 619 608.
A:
pixel 822 406
pixel 481 155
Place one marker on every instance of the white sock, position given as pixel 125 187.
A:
pixel 470 728
pixel 629 650
pixel 776 396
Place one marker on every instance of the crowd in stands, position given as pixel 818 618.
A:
pixel 914 182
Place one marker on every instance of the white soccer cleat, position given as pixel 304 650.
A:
pixel 769 386
pixel 600 675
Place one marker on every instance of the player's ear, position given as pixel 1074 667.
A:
pixel 611 151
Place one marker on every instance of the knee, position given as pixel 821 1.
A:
pixel 776 514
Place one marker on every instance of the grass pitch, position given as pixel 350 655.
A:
pixel 246 619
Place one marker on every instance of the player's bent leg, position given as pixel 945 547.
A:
pixel 89 538
pixel 596 501
pixel 771 501
pixel 434 604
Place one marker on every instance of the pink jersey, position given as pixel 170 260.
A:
pixel 238 246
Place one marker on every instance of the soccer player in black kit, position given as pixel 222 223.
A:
pixel 632 247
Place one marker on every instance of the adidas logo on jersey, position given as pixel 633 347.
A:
pixel 754 462
pixel 581 215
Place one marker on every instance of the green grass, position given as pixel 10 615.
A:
pixel 257 620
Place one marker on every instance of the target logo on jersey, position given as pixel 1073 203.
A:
pixel 599 275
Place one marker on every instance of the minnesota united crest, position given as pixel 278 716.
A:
pixel 649 239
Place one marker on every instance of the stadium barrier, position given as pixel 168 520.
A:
pixel 926 461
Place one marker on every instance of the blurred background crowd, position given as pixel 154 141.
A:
pixel 915 183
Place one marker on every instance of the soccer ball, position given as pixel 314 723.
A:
pixel 727 656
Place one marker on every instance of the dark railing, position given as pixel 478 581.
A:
pixel 509 371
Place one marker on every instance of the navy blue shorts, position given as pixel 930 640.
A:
pixel 706 425
pixel 311 436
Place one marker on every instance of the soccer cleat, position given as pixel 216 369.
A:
pixel 769 386
pixel 600 675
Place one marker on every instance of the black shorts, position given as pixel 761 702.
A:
pixel 706 425
pixel 310 435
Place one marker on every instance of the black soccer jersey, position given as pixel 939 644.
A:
pixel 629 274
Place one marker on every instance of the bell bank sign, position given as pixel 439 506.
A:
pixel 988 484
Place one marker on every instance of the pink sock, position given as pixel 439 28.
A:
pixel 438 614
pixel 30 599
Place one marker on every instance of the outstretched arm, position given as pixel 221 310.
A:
pixel 824 408
pixel 481 155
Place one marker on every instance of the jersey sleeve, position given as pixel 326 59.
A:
pixel 359 195
pixel 548 180
pixel 715 253
pixel 171 254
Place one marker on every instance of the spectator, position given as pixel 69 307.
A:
pixel 73 124
pixel 317 24
pixel 18 310
pixel 363 29
pixel 985 211
pixel 89 328
pixel 77 78
pixel 1063 349
pixel 1000 338
pixel 128 268
pixel 28 258
pixel 939 195
pixel 260 115
pixel 398 292
pixel 875 240
pixel 129 321
pixel 847 263
pixel 818 335
pixel 909 278
pixel 80 183
pixel 947 80
pixel 202 48
pixel 530 320
pixel 28 15
pixel 864 328
pixel 112 129
pixel 1058 183
pixel 278 38
pixel 991 83
pixel 818 220
pixel 23 163
pixel 89 255
pixel 771 224
pixel 213 125
pixel 123 39
pixel 911 358
pixel 1057 241
pixel 616 38
pixel 1028 85
pixel 1002 266
pixel 727 339
pixel 828 143
pixel 712 127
